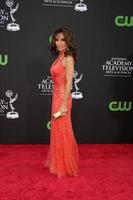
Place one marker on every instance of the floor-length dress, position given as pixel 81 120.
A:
pixel 62 157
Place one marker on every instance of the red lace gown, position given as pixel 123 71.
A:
pixel 62 158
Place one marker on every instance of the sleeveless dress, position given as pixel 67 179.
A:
pixel 62 157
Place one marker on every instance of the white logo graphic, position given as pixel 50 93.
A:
pixel 77 94
pixel 3 106
pixel 80 6
pixel 12 26
pixel 12 114
pixel 118 67
pixel 4 16
pixel 6 105
pixel 67 4
pixel 46 85
pixel 58 3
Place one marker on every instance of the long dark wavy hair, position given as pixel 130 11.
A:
pixel 69 39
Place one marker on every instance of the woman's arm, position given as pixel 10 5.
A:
pixel 69 67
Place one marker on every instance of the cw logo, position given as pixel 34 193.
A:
pixel 3 60
pixel 49 125
pixel 124 21
pixel 120 106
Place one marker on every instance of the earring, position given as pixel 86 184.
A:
pixel 68 49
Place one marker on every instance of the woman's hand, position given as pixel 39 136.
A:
pixel 63 110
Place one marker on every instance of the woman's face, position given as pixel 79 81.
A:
pixel 60 42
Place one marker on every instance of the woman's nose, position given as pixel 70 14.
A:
pixel 59 42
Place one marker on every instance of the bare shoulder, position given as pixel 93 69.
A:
pixel 68 61
pixel 69 58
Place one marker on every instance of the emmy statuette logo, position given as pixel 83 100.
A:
pixel 11 114
pixel 80 6
pixel 12 26
pixel 77 94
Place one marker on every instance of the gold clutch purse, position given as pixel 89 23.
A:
pixel 58 114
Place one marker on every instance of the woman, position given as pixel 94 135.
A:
pixel 62 157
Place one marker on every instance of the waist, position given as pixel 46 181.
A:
pixel 60 91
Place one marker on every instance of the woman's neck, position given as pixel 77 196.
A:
pixel 61 55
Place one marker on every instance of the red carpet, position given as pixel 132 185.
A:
pixel 106 173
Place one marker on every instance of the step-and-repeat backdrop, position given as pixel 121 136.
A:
pixel 103 80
